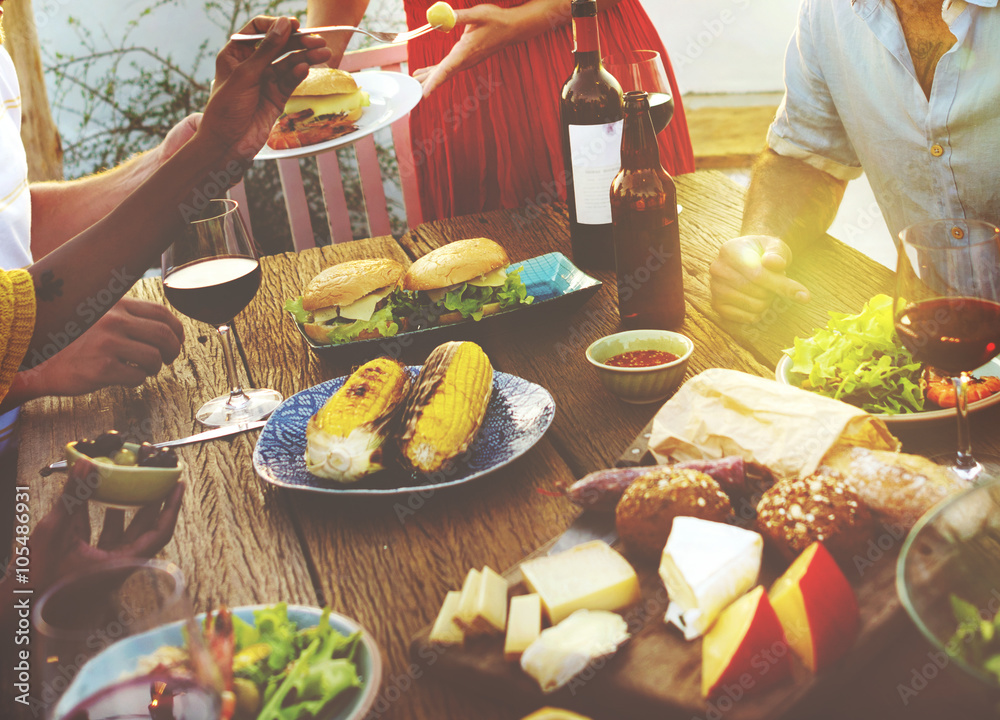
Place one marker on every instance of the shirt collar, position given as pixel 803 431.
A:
pixel 862 4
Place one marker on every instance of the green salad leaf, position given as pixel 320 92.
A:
pixel 301 315
pixel 381 320
pixel 857 359
pixel 976 640
pixel 513 292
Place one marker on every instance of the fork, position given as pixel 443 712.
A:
pixel 382 37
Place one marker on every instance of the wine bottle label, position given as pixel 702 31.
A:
pixel 596 154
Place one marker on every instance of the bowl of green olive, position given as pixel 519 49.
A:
pixel 125 474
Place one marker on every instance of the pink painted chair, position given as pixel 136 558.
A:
pixel 386 58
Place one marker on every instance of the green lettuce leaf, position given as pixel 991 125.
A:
pixel 513 292
pixel 294 306
pixel 857 359
pixel 468 300
pixel 381 320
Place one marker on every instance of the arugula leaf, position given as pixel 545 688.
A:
pixel 857 359
pixel 294 306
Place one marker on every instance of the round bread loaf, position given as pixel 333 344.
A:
pixel 795 512
pixel 646 512
pixel 347 282
pixel 454 263
pixel 325 81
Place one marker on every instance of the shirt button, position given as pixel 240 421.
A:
pixel 937 150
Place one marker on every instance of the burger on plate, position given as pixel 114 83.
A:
pixel 324 106
pixel 349 301
pixel 463 279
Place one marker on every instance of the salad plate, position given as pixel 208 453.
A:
pixel 516 418
pixel 121 658
pixel 992 368
pixel 552 280
pixel 392 96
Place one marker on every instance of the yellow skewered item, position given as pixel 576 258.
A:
pixel 446 406
pixel 344 439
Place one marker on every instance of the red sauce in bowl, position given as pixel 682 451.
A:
pixel 641 358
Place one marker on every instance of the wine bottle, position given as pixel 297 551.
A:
pixel 646 237
pixel 591 110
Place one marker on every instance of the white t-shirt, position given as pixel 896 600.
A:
pixel 15 200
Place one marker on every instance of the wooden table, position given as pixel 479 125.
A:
pixel 389 562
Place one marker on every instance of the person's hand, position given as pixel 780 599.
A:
pixel 178 135
pixel 488 29
pixel 129 343
pixel 60 543
pixel 749 274
pixel 252 85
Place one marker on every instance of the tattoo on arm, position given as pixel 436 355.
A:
pixel 49 287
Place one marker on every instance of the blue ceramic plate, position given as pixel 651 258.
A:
pixel 552 280
pixel 783 375
pixel 517 417
pixel 121 659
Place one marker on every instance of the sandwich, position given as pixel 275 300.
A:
pixel 349 301
pixel 325 105
pixel 463 279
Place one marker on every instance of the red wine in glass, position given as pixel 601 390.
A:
pixel 661 110
pixel 214 290
pixel 951 334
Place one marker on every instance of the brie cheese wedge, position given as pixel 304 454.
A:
pixel 706 566
pixel 564 651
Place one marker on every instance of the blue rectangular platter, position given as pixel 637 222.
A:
pixel 554 282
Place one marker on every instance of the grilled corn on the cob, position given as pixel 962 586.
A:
pixel 446 406
pixel 344 439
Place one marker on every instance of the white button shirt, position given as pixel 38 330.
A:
pixel 852 102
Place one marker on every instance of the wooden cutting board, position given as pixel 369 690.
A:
pixel 657 674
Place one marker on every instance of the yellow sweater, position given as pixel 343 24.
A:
pixel 17 322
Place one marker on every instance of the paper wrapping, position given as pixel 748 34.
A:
pixel 788 430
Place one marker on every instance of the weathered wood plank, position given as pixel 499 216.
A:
pixel 235 540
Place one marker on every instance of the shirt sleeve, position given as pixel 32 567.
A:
pixel 807 126
pixel 17 322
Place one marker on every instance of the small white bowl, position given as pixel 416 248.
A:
pixel 641 385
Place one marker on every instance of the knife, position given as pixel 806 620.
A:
pixel 212 434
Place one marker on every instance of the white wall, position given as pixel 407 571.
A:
pixel 720 46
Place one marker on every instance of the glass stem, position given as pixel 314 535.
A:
pixel 237 398
pixel 964 459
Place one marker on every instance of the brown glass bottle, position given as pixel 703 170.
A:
pixel 591 111
pixel 647 241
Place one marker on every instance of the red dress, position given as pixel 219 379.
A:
pixel 490 137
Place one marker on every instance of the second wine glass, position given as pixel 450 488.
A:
pixel 643 70
pixel 211 272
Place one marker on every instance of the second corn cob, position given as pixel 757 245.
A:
pixel 446 406
pixel 344 439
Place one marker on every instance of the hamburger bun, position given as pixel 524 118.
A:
pixel 347 282
pixel 454 263
pixel 324 106
pixel 325 81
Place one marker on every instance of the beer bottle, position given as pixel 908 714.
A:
pixel 591 114
pixel 647 242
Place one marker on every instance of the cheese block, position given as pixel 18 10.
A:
pixel 465 618
pixel 562 652
pixel 445 631
pixel 524 624
pixel 706 566
pixel 491 602
pixel 590 576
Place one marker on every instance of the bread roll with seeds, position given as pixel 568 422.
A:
pixel 646 512
pixel 825 507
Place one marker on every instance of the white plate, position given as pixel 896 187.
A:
pixel 990 368
pixel 392 96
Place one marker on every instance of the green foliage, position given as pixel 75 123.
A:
pixel 133 94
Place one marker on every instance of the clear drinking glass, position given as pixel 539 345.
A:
pixel 947 311
pixel 211 272
pixel 93 629
pixel 643 70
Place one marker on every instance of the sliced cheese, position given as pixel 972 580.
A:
pixel 562 652
pixel 325 315
pixel 364 308
pixel 706 566
pixel 491 602
pixel 494 278
pixel 445 631
pixel 465 618
pixel 524 624
pixel 328 104
pixel 590 576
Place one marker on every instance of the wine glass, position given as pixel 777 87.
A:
pixel 643 70
pixel 947 310
pixel 211 272
pixel 92 629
